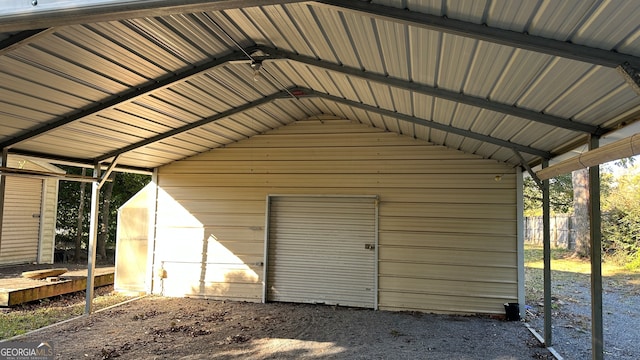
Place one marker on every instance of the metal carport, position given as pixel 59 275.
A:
pixel 134 85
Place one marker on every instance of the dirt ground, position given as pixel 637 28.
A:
pixel 170 328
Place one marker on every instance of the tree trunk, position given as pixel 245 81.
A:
pixel 580 180
pixel 77 253
pixel 103 235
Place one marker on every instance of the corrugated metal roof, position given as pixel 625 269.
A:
pixel 163 88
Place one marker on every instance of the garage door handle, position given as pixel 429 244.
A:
pixel 35 216
pixel 369 246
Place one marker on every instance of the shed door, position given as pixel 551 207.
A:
pixel 21 223
pixel 322 250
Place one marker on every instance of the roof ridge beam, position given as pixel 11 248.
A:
pixel 483 32
pixel 126 96
pixel 193 125
pixel 437 92
pixel 303 92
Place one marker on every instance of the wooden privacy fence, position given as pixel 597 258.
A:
pixel 562 231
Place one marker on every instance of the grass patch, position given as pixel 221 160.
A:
pixel 563 260
pixel 27 317
pixel 567 268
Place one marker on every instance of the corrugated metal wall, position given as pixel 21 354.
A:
pixel 21 221
pixel 447 228
pixel 26 238
pixel 322 250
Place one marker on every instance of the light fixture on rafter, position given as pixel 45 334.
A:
pixel 256 66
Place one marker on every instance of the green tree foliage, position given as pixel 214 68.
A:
pixel 561 196
pixel 621 220
pixel 68 205
pixel 125 185
pixel 620 197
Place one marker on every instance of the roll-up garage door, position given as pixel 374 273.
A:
pixel 21 223
pixel 321 249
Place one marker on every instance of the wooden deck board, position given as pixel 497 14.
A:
pixel 15 291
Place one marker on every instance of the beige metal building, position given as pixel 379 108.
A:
pixel 332 211
pixel 330 151
pixel 29 214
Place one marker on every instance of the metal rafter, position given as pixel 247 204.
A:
pixel 14 41
pixel 80 162
pixel 539 44
pixel 124 97
pixel 526 166
pixel 436 92
pixel 193 125
pixel 427 123
pixel 306 93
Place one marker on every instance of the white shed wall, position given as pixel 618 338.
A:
pixel 447 228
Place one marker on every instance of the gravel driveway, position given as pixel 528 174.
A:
pixel 572 318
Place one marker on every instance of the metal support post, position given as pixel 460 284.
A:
pixel 93 239
pixel 3 180
pixel 597 347
pixel 546 226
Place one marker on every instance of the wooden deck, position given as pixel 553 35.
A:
pixel 15 291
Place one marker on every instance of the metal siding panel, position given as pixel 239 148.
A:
pixel 394 48
pixel 477 288
pixel 620 100
pixel 441 213
pixel 456 55
pixel 591 86
pixel 246 22
pixel 598 30
pixel 425 48
pixel 510 15
pixel 313 33
pixel 525 66
pixel 288 29
pixel 20 228
pixel 175 52
pixel 435 7
pixel 49 70
pixel 364 37
pixel 487 65
pixel 200 31
pixel 317 250
pixel 338 38
pixel 86 57
pixel 208 88
pixel 95 130
pixel 382 96
pixel 467 10
pixel 559 19
pixel 426 239
pixel 121 45
pixel 33 102
pixel 555 78
pixel 38 90
pixel 446 272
